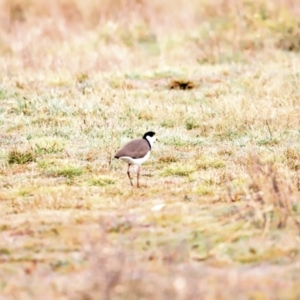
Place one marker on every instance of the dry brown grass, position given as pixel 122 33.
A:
pixel 217 216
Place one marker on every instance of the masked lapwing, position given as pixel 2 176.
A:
pixel 136 152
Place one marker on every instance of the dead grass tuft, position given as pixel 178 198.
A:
pixel 271 197
pixel 181 85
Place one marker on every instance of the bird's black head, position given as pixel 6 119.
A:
pixel 149 133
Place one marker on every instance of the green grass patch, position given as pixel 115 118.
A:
pixel 48 146
pixel 178 169
pixel 67 171
pixel 101 181
pixel 205 163
pixel 204 190
pixel 191 123
pixel 20 157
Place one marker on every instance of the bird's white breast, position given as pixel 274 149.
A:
pixel 135 161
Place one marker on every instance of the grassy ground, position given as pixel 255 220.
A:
pixel 217 216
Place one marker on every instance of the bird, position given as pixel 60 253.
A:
pixel 136 152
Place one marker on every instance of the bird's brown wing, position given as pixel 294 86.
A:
pixel 135 149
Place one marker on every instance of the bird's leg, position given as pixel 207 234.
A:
pixel 138 176
pixel 128 173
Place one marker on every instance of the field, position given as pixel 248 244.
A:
pixel 218 212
